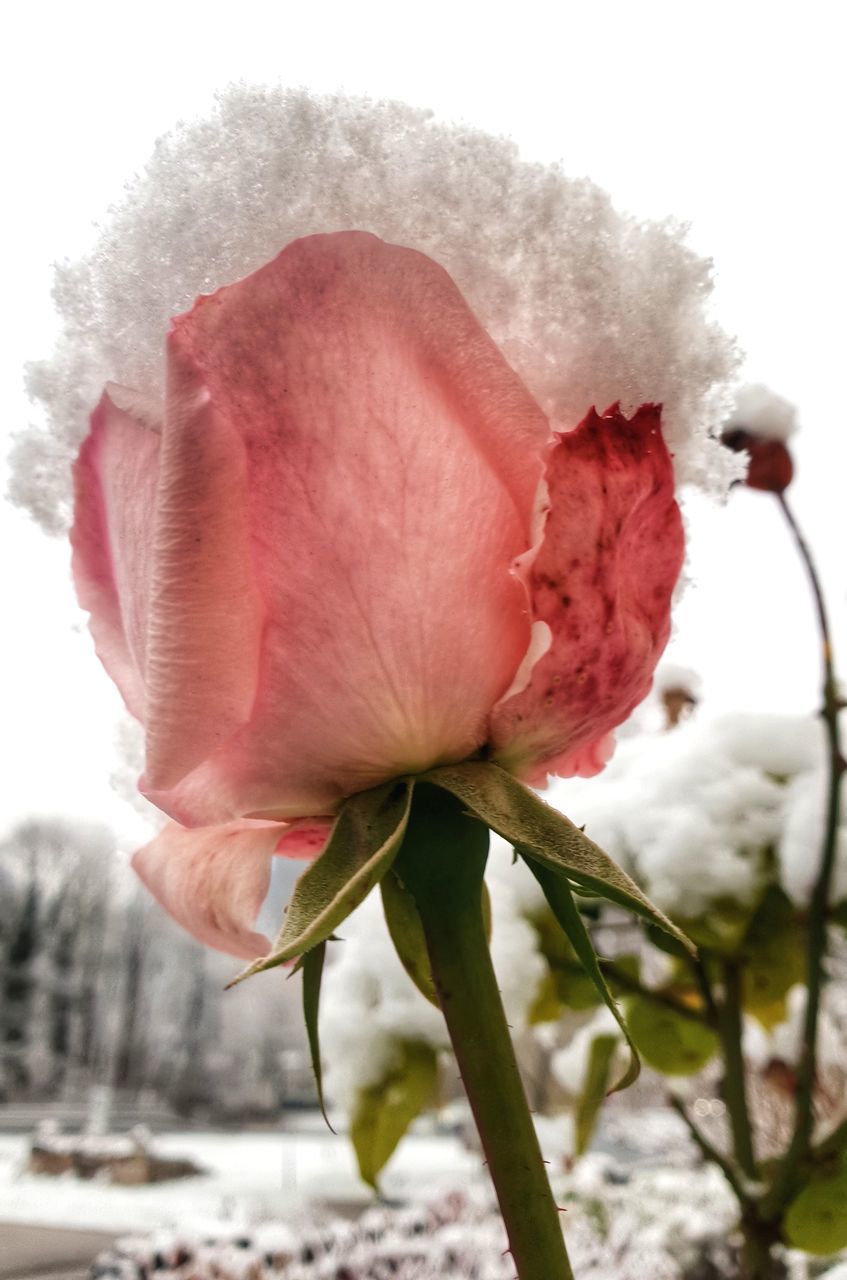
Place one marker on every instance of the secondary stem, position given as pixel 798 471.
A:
pixel 442 864
pixel 819 904
pixel 734 1083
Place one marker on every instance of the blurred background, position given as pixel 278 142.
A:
pixel 727 117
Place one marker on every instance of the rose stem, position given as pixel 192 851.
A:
pixel 442 864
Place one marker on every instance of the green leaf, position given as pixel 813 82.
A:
pixel 407 934
pixel 816 1220
pixel 545 835
pixel 561 902
pixel 312 966
pixel 363 843
pixel 384 1111
pixel 672 1044
pixel 594 1090
pixel 773 956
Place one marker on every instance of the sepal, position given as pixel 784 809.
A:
pixel 560 899
pixel 545 836
pixel 362 845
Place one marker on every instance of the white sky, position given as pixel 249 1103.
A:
pixel 728 116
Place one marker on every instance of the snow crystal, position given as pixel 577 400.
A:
pixel 589 306
pixel 761 412
pixel 802 838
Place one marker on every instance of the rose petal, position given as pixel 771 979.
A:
pixel 115 480
pixel 213 880
pixel 393 459
pixel 602 581
pixel 304 838
pixel 205 611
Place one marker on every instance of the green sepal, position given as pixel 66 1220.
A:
pixel 362 845
pixel 407 931
pixel 545 835
pixel 385 1110
pixel 594 1090
pixel 664 942
pixel 560 899
pixel 311 964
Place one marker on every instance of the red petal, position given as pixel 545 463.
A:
pixel 115 481
pixel 304 838
pixel 392 462
pixel 602 582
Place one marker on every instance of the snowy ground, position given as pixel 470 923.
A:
pixel 249 1177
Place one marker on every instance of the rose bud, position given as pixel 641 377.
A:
pixel 759 425
pixel 349 547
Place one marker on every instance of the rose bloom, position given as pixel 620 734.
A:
pixel 350 546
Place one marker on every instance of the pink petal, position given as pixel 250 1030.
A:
pixel 205 611
pixel 392 463
pixel 213 880
pixel 602 582
pixel 115 479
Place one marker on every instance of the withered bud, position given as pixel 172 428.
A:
pixel 771 467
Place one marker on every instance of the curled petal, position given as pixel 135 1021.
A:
pixel 391 462
pixel 213 880
pixel 304 838
pixel 602 582
pixel 115 479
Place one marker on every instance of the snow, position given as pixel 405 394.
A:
pixel 691 812
pixel 250 1177
pixel 369 1005
pixel 784 1041
pixel 806 799
pixel 619 1220
pixel 590 306
pixel 762 413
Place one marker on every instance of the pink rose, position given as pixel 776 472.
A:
pixel 349 547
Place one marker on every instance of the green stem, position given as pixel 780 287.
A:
pixel 757 1258
pixel 735 1080
pixel 759 1237
pixel 442 863
pixel 801 1137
